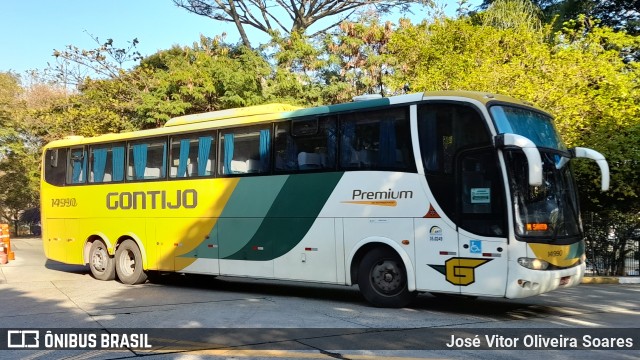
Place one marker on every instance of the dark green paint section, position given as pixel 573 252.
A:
pixel 439 268
pixel 330 109
pixel 293 212
pixel 241 217
pixel 576 250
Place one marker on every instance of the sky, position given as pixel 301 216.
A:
pixel 30 30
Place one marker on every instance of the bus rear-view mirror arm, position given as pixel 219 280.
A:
pixel 580 152
pixel 530 151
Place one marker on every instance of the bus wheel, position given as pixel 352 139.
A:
pixel 101 264
pixel 129 263
pixel 382 279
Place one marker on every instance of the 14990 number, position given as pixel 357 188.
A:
pixel 67 202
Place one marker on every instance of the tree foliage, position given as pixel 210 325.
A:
pixel 616 14
pixel 74 65
pixel 577 76
pixel 18 157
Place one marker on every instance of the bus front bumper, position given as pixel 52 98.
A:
pixel 523 282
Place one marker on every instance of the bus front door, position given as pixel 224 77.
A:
pixel 481 216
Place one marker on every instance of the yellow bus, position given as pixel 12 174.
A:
pixel 461 193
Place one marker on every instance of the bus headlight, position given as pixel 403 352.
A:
pixel 532 263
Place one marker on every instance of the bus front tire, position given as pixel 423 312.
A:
pixel 102 265
pixel 129 263
pixel 382 279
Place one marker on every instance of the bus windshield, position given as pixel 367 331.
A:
pixel 550 211
pixel 533 125
pixel 547 212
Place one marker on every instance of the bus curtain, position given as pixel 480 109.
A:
pixel 163 168
pixel 228 153
pixel 348 135
pixel 387 150
pixel 291 160
pixel 265 145
pixel 433 148
pixel 331 144
pixel 118 163
pixel 79 164
pixel 184 157
pixel 204 149
pixel 139 160
pixel 99 164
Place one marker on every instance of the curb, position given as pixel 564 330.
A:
pixel 610 280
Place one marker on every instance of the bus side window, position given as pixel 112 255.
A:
pixel 147 160
pixel 309 145
pixel 481 192
pixel 377 139
pixel 77 166
pixel 55 166
pixel 192 155
pixel 245 150
pixel 106 163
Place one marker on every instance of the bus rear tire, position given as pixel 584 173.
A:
pixel 102 265
pixel 382 279
pixel 129 263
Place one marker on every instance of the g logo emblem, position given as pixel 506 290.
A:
pixel 461 271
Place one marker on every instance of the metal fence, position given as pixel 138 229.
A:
pixel 604 266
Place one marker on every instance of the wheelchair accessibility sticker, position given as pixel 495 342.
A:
pixel 475 247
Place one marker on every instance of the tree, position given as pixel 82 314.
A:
pixel 209 76
pixel 578 76
pixel 617 14
pixel 287 16
pixel 18 158
pixel 359 53
pixel 74 65
pixel 610 240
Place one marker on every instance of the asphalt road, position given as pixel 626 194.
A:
pixel 275 320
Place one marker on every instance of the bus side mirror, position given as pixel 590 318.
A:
pixel 581 152
pixel 530 151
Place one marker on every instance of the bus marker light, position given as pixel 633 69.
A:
pixel 491 254
pixel 405 242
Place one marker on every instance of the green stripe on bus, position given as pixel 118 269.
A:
pixel 293 212
pixel 242 215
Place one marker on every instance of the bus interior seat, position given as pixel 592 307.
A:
pixel 308 161
pixel 253 166
pixel 238 167
pixel 361 157
pixel 208 168
pixel 152 173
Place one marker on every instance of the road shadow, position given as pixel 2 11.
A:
pixel 58 266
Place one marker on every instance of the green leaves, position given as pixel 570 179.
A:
pixel 582 78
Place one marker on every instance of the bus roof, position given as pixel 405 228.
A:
pixel 231 113
pixel 271 112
